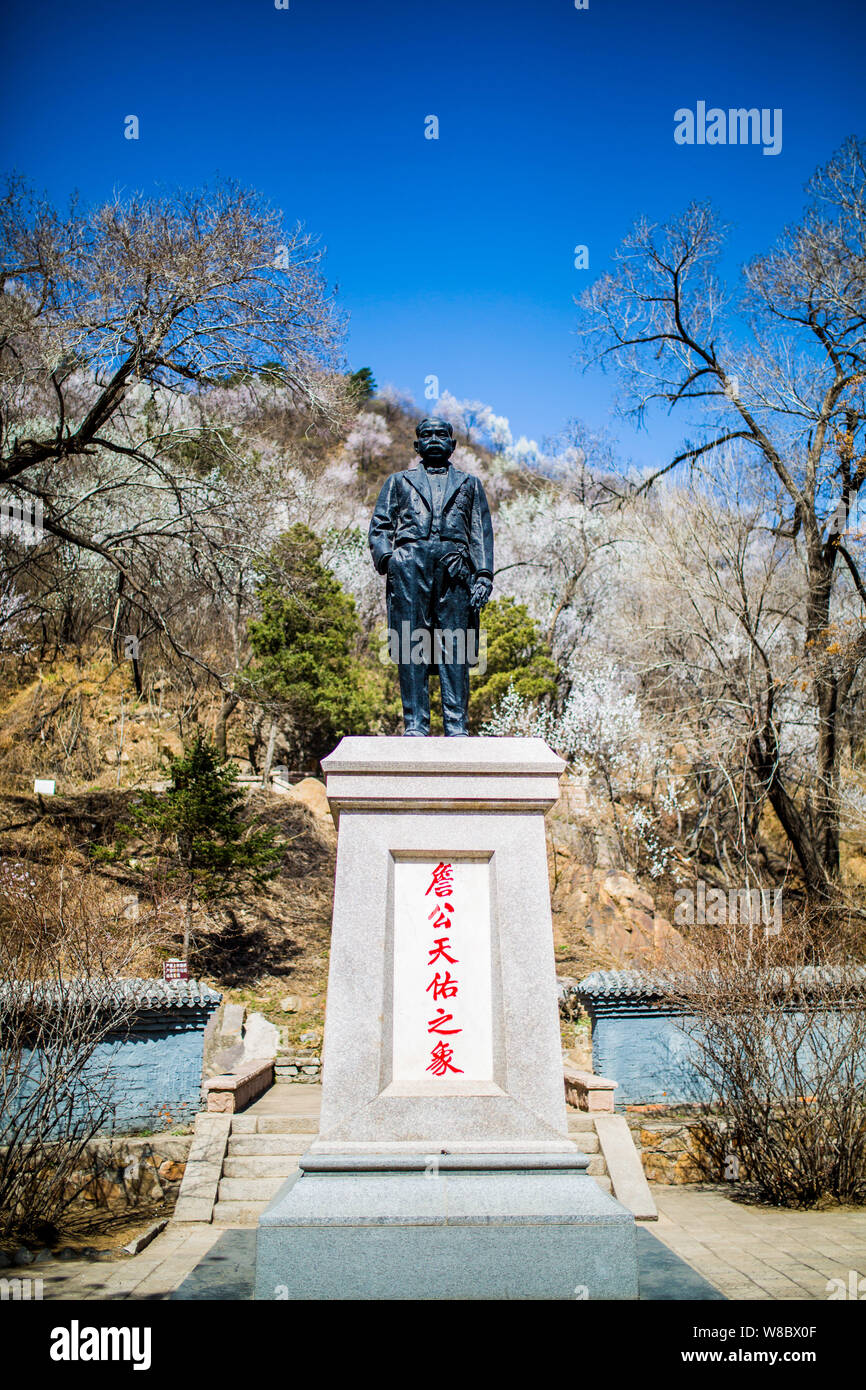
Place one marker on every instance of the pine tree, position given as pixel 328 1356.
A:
pixel 198 827
pixel 362 384
pixel 304 646
pixel 517 655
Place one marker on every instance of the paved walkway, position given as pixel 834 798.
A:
pixel 761 1252
pixel 288 1099
pixel 172 1256
pixel 154 1274
pixel 745 1252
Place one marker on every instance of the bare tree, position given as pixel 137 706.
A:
pixel 720 655
pixel 64 943
pixel 777 1029
pixel 116 324
pixel 793 397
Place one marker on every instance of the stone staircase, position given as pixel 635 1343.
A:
pixel 238 1170
pixel 581 1129
pixel 262 1151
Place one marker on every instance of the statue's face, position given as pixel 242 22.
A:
pixel 434 441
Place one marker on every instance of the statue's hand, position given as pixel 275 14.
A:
pixel 481 591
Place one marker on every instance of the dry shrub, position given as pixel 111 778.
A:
pixel 65 943
pixel 778 1031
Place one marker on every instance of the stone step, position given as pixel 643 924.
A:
pixel 237 1213
pixel 580 1123
pixel 262 1166
pixel 597 1167
pixel 605 1184
pixel 586 1142
pixel 255 1145
pixel 288 1124
pixel 249 1189
pixel 275 1124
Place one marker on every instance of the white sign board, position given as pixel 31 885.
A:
pixel 443 1009
pixel 44 786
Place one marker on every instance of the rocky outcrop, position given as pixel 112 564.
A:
pixel 602 917
pixel 619 915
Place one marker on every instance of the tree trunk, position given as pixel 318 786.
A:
pixel 187 924
pixel 826 792
pixel 826 697
pixel 269 756
pixel 790 819
pixel 229 705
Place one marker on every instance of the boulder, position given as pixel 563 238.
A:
pixel 296 1003
pixel 311 793
pixel 261 1039
pixel 623 889
pixel 223 1039
pixel 171 1171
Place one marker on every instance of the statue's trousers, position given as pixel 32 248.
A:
pixel 425 598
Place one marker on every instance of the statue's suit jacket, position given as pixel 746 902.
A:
pixel 404 512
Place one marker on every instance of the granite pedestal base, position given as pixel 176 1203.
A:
pixel 450 1226
pixel 443 1167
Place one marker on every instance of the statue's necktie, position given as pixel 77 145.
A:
pixel 437 478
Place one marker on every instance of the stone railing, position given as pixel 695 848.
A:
pixel 235 1090
pixel 585 1091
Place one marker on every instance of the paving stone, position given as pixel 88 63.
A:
pixel 744 1253
pixel 758 1252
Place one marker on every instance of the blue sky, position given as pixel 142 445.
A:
pixel 454 257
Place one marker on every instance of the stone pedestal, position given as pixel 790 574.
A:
pixel 443 1167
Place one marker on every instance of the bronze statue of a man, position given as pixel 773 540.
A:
pixel 431 534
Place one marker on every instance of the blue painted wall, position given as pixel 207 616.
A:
pixel 151 1075
pixel 648 1056
pixel 648 1052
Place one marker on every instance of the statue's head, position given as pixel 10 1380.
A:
pixel 434 440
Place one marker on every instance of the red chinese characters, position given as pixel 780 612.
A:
pixel 442 882
pixel 441 986
pixel 441 1059
pixel 439 950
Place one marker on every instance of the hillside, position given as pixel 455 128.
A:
pixel 594 646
